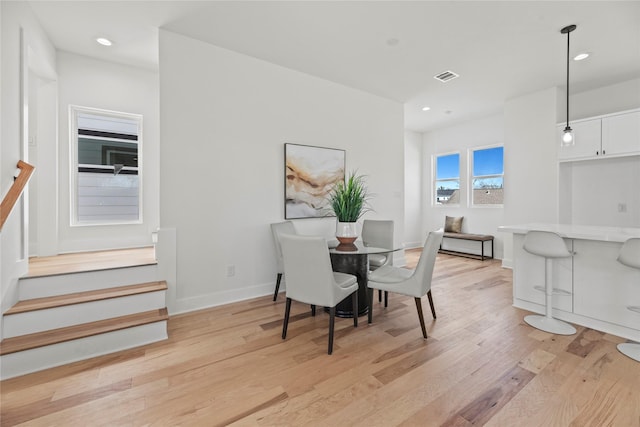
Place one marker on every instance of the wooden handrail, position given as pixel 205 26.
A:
pixel 15 191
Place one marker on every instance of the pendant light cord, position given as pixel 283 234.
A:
pixel 567 30
pixel 568 35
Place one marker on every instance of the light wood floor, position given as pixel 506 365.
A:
pixel 229 366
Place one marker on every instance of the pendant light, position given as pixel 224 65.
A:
pixel 567 136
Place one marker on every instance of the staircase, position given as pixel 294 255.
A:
pixel 81 310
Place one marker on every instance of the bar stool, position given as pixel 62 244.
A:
pixel 550 246
pixel 630 256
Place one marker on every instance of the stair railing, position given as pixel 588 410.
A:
pixel 15 191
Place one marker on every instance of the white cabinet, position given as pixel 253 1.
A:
pixel 621 134
pixel 603 287
pixel 597 289
pixel 611 135
pixel 588 140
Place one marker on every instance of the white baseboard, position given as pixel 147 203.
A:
pixel 216 299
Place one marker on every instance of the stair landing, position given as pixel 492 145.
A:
pixel 91 261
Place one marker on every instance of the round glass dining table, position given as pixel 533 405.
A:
pixel 353 259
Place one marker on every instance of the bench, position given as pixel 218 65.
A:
pixel 472 237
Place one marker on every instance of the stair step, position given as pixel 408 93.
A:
pixel 82 297
pixel 40 339
pixel 91 261
pixel 64 284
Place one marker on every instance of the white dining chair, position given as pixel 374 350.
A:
pixel 311 280
pixel 550 246
pixel 378 233
pixel 414 283
pixel 630 256
pixel 278 229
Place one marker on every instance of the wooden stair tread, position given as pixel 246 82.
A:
pixel 91 261
pixel 54 336
pixel 87 296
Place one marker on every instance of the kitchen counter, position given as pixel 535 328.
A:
pixel 570 231
pixel 597 289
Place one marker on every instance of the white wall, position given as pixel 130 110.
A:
pixel 604 100
pixel 224 120
pixel 596 187
pixel 461 138
pixel 413 189
pixel 89 82
pixel 530 162
pixel 14 17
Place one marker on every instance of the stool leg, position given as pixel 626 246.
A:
pixel 548 288
pixel 547 323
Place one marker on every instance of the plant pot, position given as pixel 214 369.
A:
pixel 346 232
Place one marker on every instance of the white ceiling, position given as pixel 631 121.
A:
pixel 393 49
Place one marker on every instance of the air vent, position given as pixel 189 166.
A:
pixel 445 76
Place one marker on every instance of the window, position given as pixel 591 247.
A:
pixel 106 186
pixel 488 176
pixel 447 182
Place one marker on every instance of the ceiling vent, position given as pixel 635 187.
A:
pixel 445 76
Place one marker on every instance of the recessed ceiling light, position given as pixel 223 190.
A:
pixel 581 56
pixel 426 108
pixel 104 42
pixel 393 42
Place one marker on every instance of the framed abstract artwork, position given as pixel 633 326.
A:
pixel 309 175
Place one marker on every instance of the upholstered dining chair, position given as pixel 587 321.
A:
pixel 549 246
pixel 278 229
pixel 416 283
pixel 311 280
pixel 630 256
pixel 378 233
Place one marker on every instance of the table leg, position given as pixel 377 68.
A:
pixel 358 265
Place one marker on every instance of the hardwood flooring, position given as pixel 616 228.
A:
pixel 481 365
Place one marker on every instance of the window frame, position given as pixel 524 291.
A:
pixel 74 111
pixel 435 180
pixel 472 177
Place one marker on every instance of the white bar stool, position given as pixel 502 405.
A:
pixel 548 245
pixel 630 256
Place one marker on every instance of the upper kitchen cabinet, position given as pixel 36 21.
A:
pixel 587 135
pixel 621 134
pixel 601 137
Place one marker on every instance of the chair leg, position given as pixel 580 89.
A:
pixel 313 310
pixel 370 298
pixel 332 318
pixel 275 294
pixel 379 295
pixel 386 299
pixel 287 310
pixel 354 300
pixel 433 309
pixel 421 317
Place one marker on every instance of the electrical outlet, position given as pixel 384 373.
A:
pixel 622 207
pixel 231 270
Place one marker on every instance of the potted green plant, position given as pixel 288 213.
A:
pixel 349 201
